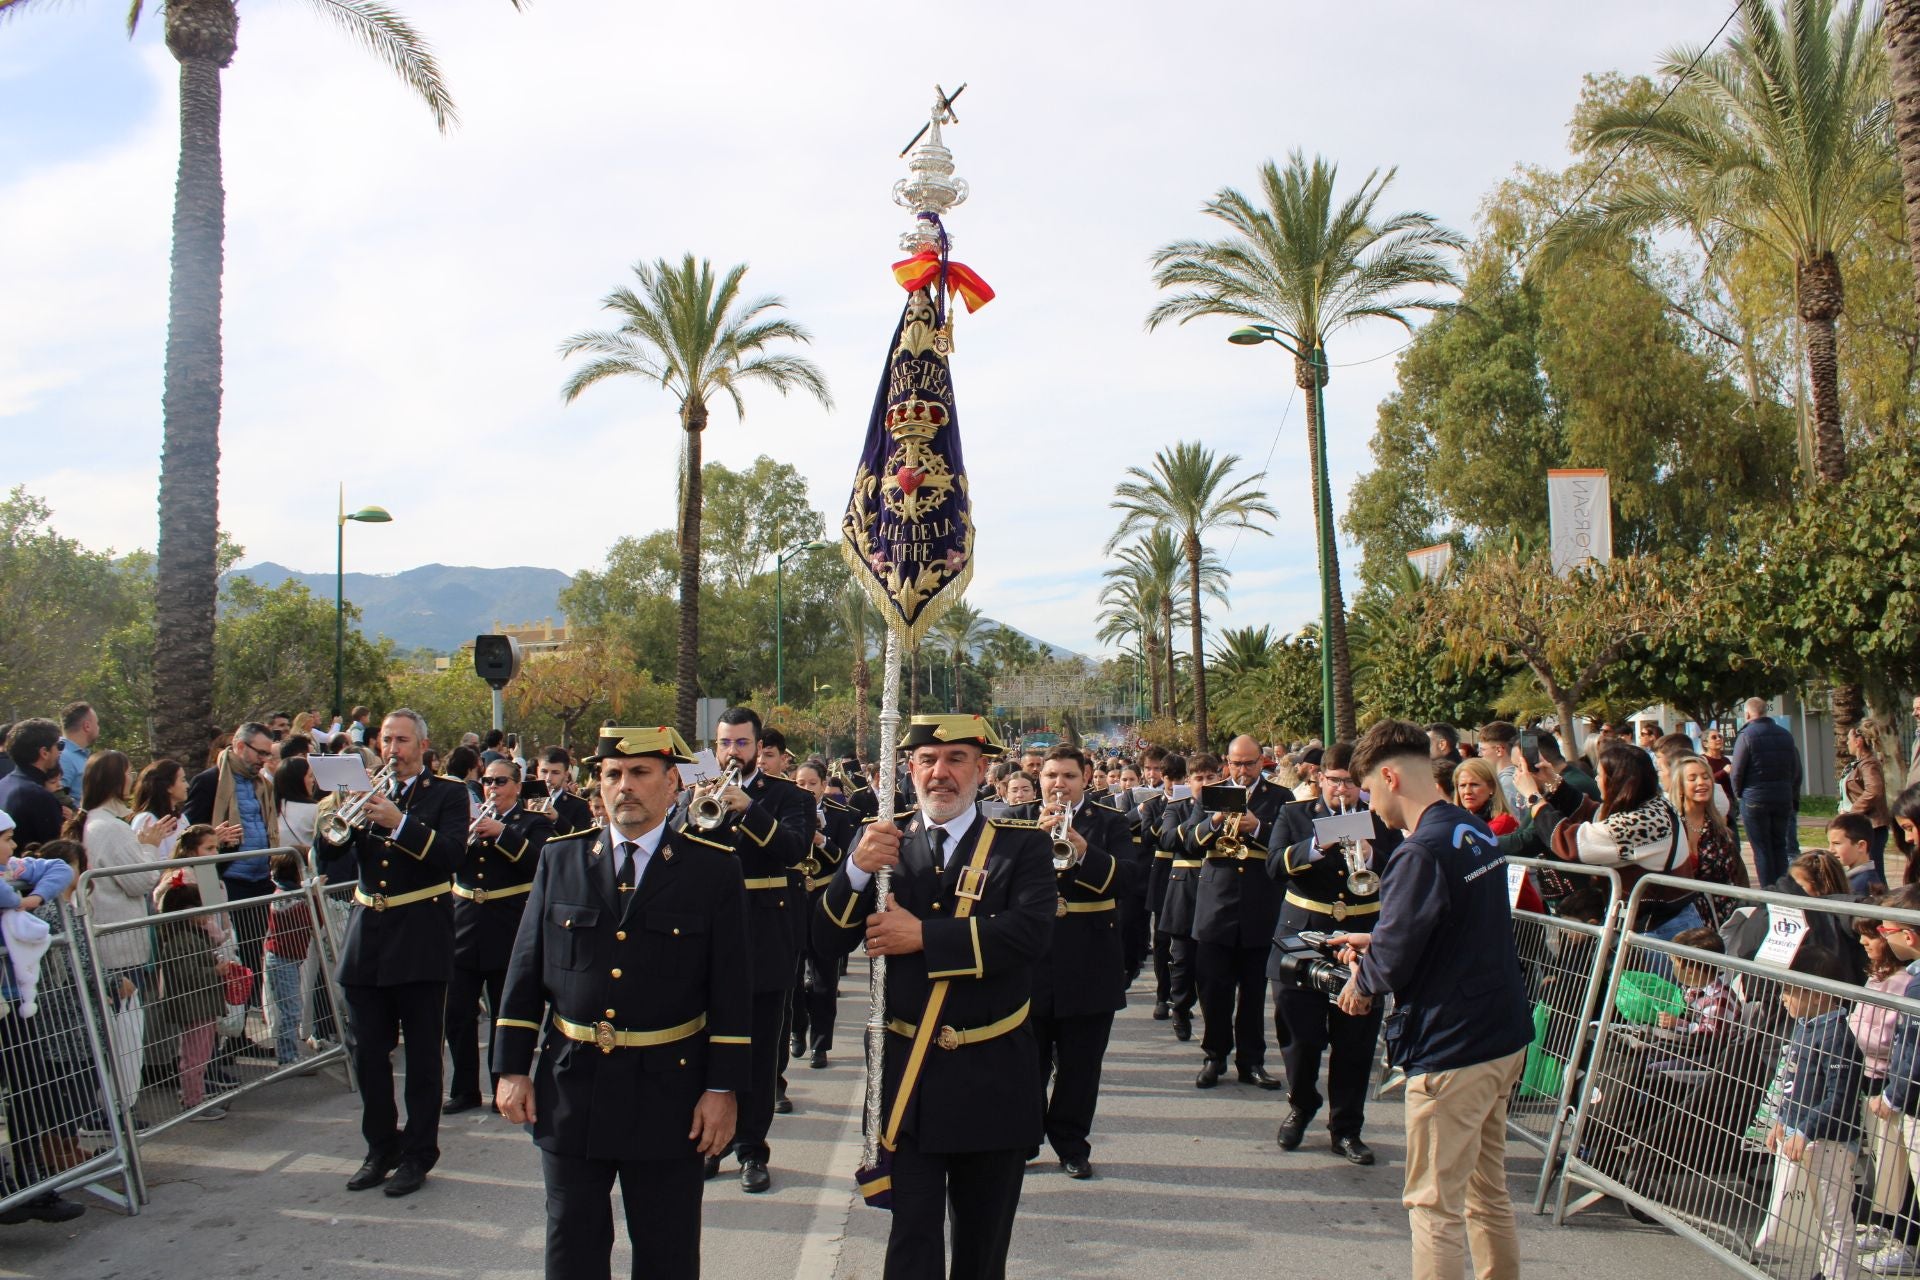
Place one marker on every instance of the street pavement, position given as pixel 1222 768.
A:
pixel 1188 1183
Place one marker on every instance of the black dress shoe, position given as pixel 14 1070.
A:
pixel 799 1047
pixel 1356 1151
pixel 51 1207
pixel 406 1180
pixel 1160 1011
pixel 1078 1169
pixel 819 1061
pixel 710 1168
pixel 1182 1025
pixel 1292 1130
pixel 373 1172
pixel 783 1105
pixel 454 1106
pixel 1258 1076
pixel 1209 1074
pixel 754 1177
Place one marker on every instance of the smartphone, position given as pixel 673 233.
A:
pixel 1529 745
pixel 1223 798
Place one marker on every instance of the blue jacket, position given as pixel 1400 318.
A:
pixel 37 812
pixel 1820 1080
pixel 48 877
pixel 1766 764
pixel 1444 947
pixel 1903 1068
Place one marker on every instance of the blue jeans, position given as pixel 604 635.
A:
pixel 283 980
pixel 1659 962
pixel 1774 828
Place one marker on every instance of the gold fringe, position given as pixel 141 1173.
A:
pixel 876 592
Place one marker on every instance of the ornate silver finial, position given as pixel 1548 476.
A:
pixel 932 188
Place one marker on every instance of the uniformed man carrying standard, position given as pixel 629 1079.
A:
pixel 489 893
pixel 973 1110
pixel 398 954
pixel 1319 898
pixel 635 941
pixel 767 824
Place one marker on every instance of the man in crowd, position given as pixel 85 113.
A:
pixel 490 746
pixel 1766 777
pixel 1496 748
pixel 571 814
pixel 33 746
pixel 1031 758
pixel 279 725
pixel 398 955
pixel 1443 741
pixel 775 759
pixel 1650 732
pixel 237 795
pixel 1443 946
pixel 81 729
pixel 1913 759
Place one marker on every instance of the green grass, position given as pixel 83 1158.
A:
pixel 1819 806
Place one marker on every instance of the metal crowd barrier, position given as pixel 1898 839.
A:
pixel 62 1127
pixel 1677 1126
pixel 1564 962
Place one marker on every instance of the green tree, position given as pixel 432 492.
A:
pixel 858 621
pixel 1402 671
pixel 962 630
pixel 273 649
pixel 1308 266
pixel 1191 493
pixel 1270 688
pixel 693 335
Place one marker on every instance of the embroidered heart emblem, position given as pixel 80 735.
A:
pixel 909 478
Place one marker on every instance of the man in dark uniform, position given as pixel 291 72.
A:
pixel 817 993
pixel 635 940
pixel 570 812
pixel 489 893
pixel 1235 911
pixel 1079 981
pixel 1317 898
pixel 398 954
pixel 1148 820
pixel 974 1112
pixel 1183 888
pixel 767 823
pixel 1136 870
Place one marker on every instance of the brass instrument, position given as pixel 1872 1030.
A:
pixel 487 810
pixel 1229 844
pixel 1362 881
pixel 706 812
pixel 338 827
pixel 542 805
pixel 810 865
pixel 1063 852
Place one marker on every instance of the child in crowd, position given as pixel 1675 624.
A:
pixel 1898 1103
pixel 1713 1010
pixel 197 841
pixel 289 927
pixel 192 973
pixel 1850 839
pixel 1887 1243
pixel 1817 1124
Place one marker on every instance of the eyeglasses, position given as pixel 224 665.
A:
pixel 733 742
pixel 1886 927
pixel 495 782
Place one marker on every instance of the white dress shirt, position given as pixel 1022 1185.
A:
pixel 956 829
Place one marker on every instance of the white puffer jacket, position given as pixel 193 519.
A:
pixel 116 899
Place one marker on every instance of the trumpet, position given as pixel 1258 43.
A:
pixel 810 865
pixel 705 811
pixel 338 827
pixel 487 811
pixel 1063 852
pixel 1362 881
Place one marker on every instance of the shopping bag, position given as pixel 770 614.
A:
pixel 1642 997
pixel 239 984
pixel 1543 1074
pixel 127 1032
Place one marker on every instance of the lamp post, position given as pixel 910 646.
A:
pixel 1254 335
pixel 365 515
pixel 779 633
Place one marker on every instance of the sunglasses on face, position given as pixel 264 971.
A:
pixel 495 782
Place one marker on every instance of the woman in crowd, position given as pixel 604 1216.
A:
pixel 1716 853
pixel 1905 811
pixel 1020 790
pixel 299 804
pixel 159 797
pixel 1476 788
pixel 1864 787
pixel 1820 875
pixel 101 826
pixel 463 765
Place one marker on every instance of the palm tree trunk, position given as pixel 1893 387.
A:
pixel 1150 651
pixel 1902 21
pixel 202 38
pixel 1198 676
pixel 1168 649
pixel 686 669
pixel 1336 621
pixel 1822 298
pixel 861 680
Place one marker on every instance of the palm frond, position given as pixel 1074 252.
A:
pixel 393 40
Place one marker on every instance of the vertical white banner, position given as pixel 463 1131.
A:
pixel 1579 518
pixel 1431 562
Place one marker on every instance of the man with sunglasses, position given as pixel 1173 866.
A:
pixel 489 893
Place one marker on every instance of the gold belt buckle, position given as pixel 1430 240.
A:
pixel 1059 908
pixel 603 1036
pixel 480 895
pixel 1339 911
pixel 379 902
pixel 948 1038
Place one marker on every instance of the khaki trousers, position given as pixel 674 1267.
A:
pixel 1456 1188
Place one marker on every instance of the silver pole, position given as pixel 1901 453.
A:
pixel 882 885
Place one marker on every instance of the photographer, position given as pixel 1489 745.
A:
pixel 1443 945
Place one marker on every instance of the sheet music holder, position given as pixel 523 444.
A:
pixel 339 773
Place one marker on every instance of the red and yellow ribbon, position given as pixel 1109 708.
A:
pixel 923 269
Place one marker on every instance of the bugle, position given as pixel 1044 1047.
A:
pixel 707 811
pixel 338 827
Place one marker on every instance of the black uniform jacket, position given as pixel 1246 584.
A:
pixel 1082 971
pixel 1237 905
pixel 1146 820
pixel 1304 878
pixel 1183 869
pixel 770 839
pixel 412 942
pixel 842 822
pixel 571 814
pixel 669 952
pixel 983 1096
pixel 490 890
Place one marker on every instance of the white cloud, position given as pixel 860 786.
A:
pixel 394 298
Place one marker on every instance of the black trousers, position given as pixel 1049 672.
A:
pixel 1136 939
pixel 662 1203
pixel 756 1100
pixel 1316 1025
pixel 1174 953
pixel 1071 1051
pixel 463 1027
pixel 979 1190
pixel 1233 1002
pixel 377 1017
pixel 816 998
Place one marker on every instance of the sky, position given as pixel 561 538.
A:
pixel 395 298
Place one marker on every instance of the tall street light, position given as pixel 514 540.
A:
pixel 365 515
pixel 779 612
pixel 1252 336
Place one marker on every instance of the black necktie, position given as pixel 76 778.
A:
pixel 623 879
pixel 938 836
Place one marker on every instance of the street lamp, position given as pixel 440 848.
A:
pixel 365 515
pixel 1253 336
pixel 779 654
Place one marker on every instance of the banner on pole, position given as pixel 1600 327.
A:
pixel 1431 562
pixel 1579 518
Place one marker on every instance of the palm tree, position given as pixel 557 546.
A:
pixel 1158 558
pixel 1128 614
pixel 963 630
pixel 1243 650
pixel 858 619
pixel 203 36
pixel 1305 266
pixel 1008 650
pixel 691 333
pixel 1901 19
pixel 1190 493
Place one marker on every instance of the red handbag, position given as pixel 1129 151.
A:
pixel 239 984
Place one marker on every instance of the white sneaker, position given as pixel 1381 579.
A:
pixel 1869 1238
pixel 1895 1259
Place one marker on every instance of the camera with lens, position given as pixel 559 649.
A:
pixel 1307 962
